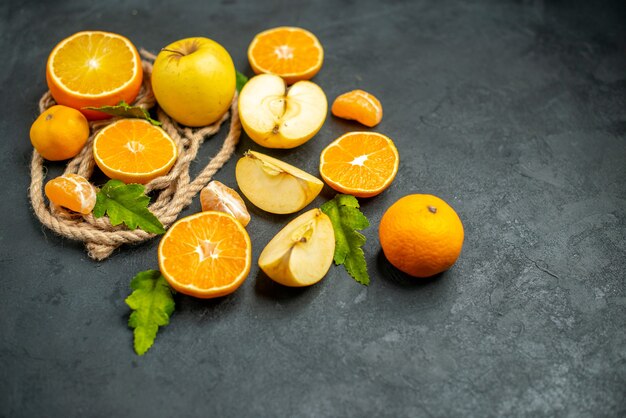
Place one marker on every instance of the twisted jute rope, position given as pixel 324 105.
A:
pixel 175 189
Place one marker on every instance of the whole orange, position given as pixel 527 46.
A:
pixel 421 235
pixel 59 133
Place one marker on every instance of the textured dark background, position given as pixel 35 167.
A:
pixel 512 111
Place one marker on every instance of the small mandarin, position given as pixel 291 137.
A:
pixel 421 235
pixel 59 133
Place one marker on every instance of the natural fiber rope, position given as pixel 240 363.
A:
pixel 175 189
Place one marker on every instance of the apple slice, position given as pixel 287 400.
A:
pixel 273 185
pixel 302 252
pixel 275 116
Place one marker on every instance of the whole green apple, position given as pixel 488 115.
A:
pixel 194 81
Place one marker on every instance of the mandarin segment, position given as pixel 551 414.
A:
pixel 219 197
pixel 358 105
pixel 421 235
pixel 293 53
pixel 134 151
pixel 205 255
pixel 362 164
pixel 72 192
pixel 94 68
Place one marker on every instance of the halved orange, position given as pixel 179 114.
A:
pixel 293 53
pixel 362 164
pixel 358 105
pixel 134 151
pixel 206 255
pixel 94 68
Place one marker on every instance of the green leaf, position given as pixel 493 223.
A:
pixel 241 80
pixel 125 110
pixel 152 304
pixel 126 203
pixel 343 211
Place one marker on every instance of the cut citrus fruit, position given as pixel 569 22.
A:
pixel 358 105
pixel 205 255
pixel 94 69
pixel 59 133
pixel 293 53
pixel 219 197
pixel 134 151
pixel 72 192
pixel 362 164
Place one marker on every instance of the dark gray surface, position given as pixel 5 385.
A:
pixel 513 112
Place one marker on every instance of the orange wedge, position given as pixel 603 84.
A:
pixel 206 255
pixel 293 53
pixel 94 69
pixel 362 164
pixel 358 105
pixel 134 151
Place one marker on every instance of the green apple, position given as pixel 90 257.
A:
pixel 194 81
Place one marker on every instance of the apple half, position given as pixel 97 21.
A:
pixel 273 185
pixel 302 252
pixel 275 116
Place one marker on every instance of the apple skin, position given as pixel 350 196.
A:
pixel 194 81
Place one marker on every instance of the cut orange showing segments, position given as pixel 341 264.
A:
pixel 134 151
pixel 206 255
pixel 72 192
pixel 94 69
pixel 362 164
pixel 358 105
pixel 293 53
pixel 219 197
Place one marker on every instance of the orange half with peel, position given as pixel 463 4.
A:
pixel 206 255
pixel 290 52
pixel 134 151
pixel 362 164
pixel 94 68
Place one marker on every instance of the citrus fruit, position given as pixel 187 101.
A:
pixel 421 235
pixel 205 255
pixel 194 81
pixel 219 197
pixel 293 53
pixel 362 164
pixel 72 192
pixel 59 133
pixel 94 69
pixel 134 151
pixel 358 105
